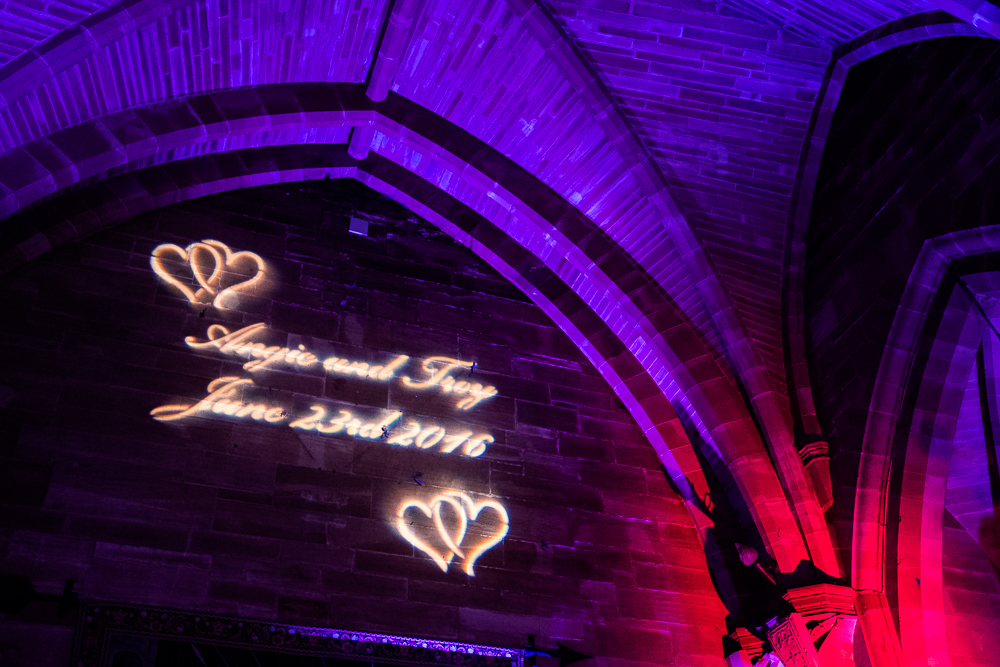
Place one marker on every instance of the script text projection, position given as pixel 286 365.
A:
pixel 464 510
pixel 223 267
pixel 227 396
pixel 241 343
pixel 210 261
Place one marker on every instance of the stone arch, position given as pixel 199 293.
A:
pixel 54 81
pixel 770 408
pixel 675 362
pixel 891 431
pixel 929 438
pixel 92 69
pixel 912 29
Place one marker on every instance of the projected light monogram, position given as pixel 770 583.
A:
pixel 212 264
pixel 241 343
pixel 452 533
pixel 451 524
pixel 237 397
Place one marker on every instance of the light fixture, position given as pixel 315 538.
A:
pixel 750 557
pixel 358 226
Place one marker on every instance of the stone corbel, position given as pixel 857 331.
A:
pixel 828 612
pixel 821 599
pixel 819 633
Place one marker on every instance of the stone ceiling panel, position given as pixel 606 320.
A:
pixel 720 94
pixel 24 24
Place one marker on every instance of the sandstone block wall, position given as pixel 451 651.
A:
pixel 250 518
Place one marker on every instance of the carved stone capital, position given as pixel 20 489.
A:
pixel 791 642
pixel 813 447
pixel 829 614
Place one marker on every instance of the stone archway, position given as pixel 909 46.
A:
pixel 686 372
pixel 921 381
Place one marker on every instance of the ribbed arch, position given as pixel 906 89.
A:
pixel 897 375
pixel 129 56
pixel 138 53
pixel 928 442
pixel 626 320
pixel 899 33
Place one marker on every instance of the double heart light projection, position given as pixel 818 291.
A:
pixel 212 265
pixel 453 534
pixel 217 276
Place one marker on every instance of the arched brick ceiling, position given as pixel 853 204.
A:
pixel 720 94
pixel 721 109
pixel 23 26
pixel 827 23
pixel 717 94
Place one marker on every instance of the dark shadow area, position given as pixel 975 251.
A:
pixel 909 156
pixel 747 592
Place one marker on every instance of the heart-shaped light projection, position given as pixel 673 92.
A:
pixel 491 541
pixel 411 537
pixel 222 259
pixel 463 523
pixel 466 509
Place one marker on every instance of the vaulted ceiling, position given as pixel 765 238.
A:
pixel 712 99
pixel 643 171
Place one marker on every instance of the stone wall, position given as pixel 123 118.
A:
pixel 245 517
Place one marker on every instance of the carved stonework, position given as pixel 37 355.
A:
pixel 821 599
pixel 815 455
pixel 829 614
pixel 815 449
pixel 791 642
pixel 749 643
pixel 820 633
